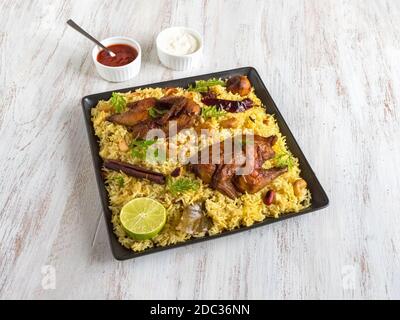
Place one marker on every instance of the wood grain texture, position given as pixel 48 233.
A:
pixel 333 68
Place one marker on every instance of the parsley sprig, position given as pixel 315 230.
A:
pixel 203 85
pixel 120 181
pixel 118 101
pixel 139 148
pixel 284 160
pixel 211 112
pixel 180 185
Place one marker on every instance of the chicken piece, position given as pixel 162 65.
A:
pixel 184 121
pixel 239 84
pixel 257 179
pixel 214 172
pixel 203 168
pixel 204 171
pixel 177 106
pixel 222 180
pixel 128 118
pixel 223 176
pixel 144 104
pixel 181 109
pixel 168 102
pixel 264 149
pixel 140 130
pixel 192 108
pixel 224 172
pixel 137 112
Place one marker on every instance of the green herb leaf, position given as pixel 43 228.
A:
pixel 284 160
pixel 118 101
pixel 211 112
pixel 120 181
pixel 180 185
pixel 139 147
pixel 155 113
pixel 203 85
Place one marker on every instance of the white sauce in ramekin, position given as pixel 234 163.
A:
pixel 179 42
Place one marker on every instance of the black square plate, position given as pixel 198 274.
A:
pixel 319 197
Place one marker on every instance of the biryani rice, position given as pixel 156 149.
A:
pixel 225 213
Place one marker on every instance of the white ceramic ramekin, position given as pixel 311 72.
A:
pixel 179 62
pixel 122 73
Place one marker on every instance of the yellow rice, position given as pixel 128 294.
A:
pixel 225 213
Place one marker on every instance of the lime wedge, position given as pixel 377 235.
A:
pixel 143 218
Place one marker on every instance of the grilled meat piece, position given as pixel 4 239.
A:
pixel 222 180
pixel 140 130
pixel 264 149
pixel 180 109
pixel 141 105
pixel 257 180
pixel 137 112
pixel 173 104
pixel 223 176
pixel 204 171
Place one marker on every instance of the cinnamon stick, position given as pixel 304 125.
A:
pixel 135 171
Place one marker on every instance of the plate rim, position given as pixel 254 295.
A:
pixel 96 159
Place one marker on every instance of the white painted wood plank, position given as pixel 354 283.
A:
pixel 333 69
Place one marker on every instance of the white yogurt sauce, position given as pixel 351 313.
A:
pixel 180 42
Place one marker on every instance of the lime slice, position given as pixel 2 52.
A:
pixel 143 218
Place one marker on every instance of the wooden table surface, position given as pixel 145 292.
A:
pixel 333 68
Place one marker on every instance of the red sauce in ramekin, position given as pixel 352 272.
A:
pixel 124 54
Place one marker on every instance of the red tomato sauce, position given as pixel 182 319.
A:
pixel 124 54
